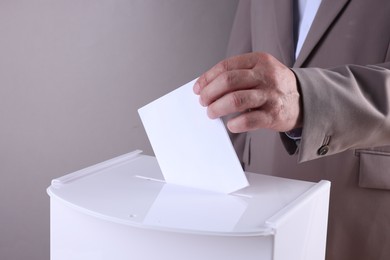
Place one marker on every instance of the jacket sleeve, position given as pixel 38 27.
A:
pixel 347 107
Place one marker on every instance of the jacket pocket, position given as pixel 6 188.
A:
pixel 374 168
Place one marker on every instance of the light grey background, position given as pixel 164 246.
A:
pixel 72 75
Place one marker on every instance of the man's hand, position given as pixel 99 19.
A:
pixel 256 85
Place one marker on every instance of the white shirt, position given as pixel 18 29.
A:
pixel 307 10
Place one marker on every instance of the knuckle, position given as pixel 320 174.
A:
pixel 236 100
pixel 228 79
pixel 276 113
pixel 264 57
pixel 268 57
pixel 223 65
pixel 254 75
pixel 249 122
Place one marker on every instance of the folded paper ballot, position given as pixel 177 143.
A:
pixel 191 149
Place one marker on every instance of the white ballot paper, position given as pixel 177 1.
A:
pixel 191 149
pixel 189 209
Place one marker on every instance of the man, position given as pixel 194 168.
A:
pixel 328 94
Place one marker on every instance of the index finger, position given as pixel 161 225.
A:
pixel 245 61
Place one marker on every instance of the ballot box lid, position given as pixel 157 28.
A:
pixel 130 190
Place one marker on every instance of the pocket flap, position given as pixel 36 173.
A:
pixel 374 170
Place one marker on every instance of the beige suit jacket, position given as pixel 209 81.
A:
pixel 344 78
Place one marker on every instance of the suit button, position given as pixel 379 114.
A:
pixel 323 150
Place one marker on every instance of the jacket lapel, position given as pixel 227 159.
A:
pixel 283 15
pixel 326 14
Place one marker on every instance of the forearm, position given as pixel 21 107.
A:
pixel 349 105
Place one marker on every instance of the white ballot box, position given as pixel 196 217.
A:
pixel 122 209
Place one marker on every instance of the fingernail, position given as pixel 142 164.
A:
pixel 201 101
pixel 196 88
pixel 210 114
pixel 231 126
